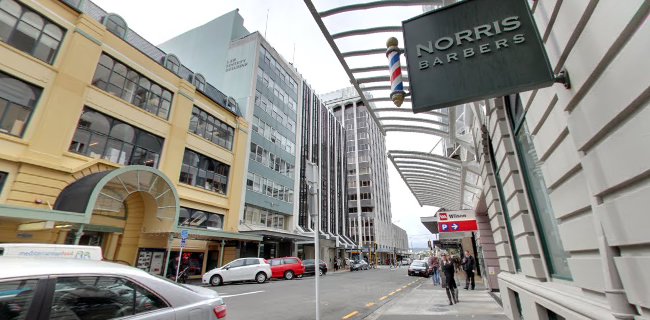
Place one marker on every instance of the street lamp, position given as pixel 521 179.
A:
pixel 312 207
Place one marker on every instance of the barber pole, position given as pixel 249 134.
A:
pixel 393 54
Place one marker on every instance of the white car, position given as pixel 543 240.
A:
pixel 52 283
pixel 244 269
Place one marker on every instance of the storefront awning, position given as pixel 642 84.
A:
pixel 277 235
pixel 206 234
pixel 107 191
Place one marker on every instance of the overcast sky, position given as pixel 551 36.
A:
pixel 293 32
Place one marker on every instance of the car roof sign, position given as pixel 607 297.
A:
pixel 40 250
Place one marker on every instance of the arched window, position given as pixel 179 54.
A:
pixel 215 221
pixel 126 83
pixel 10 12
pixel 99 135
pixel 199 81
pixel 27 31
pixel 172 63
pixel 116 25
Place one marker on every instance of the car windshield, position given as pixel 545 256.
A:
pixel 418 264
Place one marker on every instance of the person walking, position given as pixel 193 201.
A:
pixel 469 263
pixel 434 268
pixel 448 282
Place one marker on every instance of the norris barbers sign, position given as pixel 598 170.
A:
pixel 473 50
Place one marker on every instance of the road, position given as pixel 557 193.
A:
pixel 343 295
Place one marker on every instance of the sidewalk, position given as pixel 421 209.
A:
pixel 428 302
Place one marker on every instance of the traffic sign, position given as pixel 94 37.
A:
pixel 458 226
pixel 185 234
pixel 183 243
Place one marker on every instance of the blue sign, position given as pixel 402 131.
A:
pixel 185 234
pixel 183 243
pixel 454 226
pixel 445 227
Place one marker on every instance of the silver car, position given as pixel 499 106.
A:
pixel 60 288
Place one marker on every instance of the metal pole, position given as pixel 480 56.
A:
pixel 170 238
pixel 317 264
pixel 223 244
pixel 78 234
pixel 314 214
pixel 178 267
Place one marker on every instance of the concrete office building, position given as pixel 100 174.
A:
pixel 267 89
pixel 323 143
pixel 368 194
pixel 107 140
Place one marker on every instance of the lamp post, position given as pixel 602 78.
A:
pixel 312 206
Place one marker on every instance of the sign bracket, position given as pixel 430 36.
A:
pixel 563 78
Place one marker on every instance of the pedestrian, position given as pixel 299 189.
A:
pixel 469 263
pixel 434 267
pixel 448 281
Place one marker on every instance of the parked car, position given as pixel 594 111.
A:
pixel 287 267
pixel 406 262
pixel 310 267
pixel 419 268
pixel 244 269
pixel 359 265
pixel 71 282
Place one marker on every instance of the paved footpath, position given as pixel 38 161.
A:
pixel 429 302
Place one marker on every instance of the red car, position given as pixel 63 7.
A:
pixel 287 267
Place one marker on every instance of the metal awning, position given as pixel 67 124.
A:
pixel 357 33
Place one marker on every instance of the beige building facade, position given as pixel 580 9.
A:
pixel 107 140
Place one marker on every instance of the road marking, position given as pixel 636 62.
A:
pixel 241 294
pixel 383 298
pixel 398 290
pixel 392 293
pixel 404 287
pixel 370 304
pixel 350 315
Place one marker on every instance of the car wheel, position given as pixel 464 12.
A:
pixel 260 277
pixel 288 275
pixel 320 272
pixel 216 280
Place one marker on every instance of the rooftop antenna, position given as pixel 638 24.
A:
pixel 266 26
pixel 293 58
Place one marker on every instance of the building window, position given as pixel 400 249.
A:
pixel 17 102
pixel 553 316
pixel 101 136
pixel 200 219
pixel 504 208
pixel 211 128
pixel 199 81
pixel 3 178
pixel 172 63
pixel 116 25
pixel 203 172
pixel 268 187
pixel 28 31
pixel 265 218
pixel 116 78
pixel 549 234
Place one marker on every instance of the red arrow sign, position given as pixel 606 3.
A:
pixel 458 226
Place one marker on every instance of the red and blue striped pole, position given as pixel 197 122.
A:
pixel 393 54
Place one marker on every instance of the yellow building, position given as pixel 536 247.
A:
pixel 106 140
